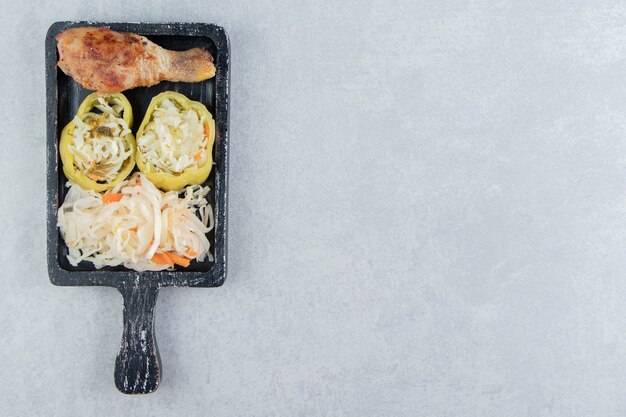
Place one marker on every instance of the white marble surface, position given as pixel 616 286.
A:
pixel 428 218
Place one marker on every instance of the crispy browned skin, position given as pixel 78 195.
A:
pixel 109 62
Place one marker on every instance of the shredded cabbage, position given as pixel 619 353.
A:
pixel 144 222
pixel 100 144
pixel 173 140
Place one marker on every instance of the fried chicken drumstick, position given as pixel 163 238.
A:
pixel 109 62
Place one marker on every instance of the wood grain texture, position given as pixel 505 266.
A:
pixel 138 364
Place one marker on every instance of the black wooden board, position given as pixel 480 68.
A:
pixel 138 368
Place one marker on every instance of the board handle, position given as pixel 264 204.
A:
pixel 138 364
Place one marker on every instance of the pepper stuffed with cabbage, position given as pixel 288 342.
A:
pixel 175 142
pixel 97 147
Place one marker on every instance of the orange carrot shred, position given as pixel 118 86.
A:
pixel 206 130
pixel 161 258
pixel 178 259
pixel 190 254
pixel 94 177
pixel 111 198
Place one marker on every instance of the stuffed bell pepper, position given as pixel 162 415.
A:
pixel 97 147
pixel 175 142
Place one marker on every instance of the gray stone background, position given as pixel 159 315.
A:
pixel 428 218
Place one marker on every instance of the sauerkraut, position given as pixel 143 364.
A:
pixel 136 225
pixel 100 142
pixel 97 147
pixel 177 142
pixel 174 140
